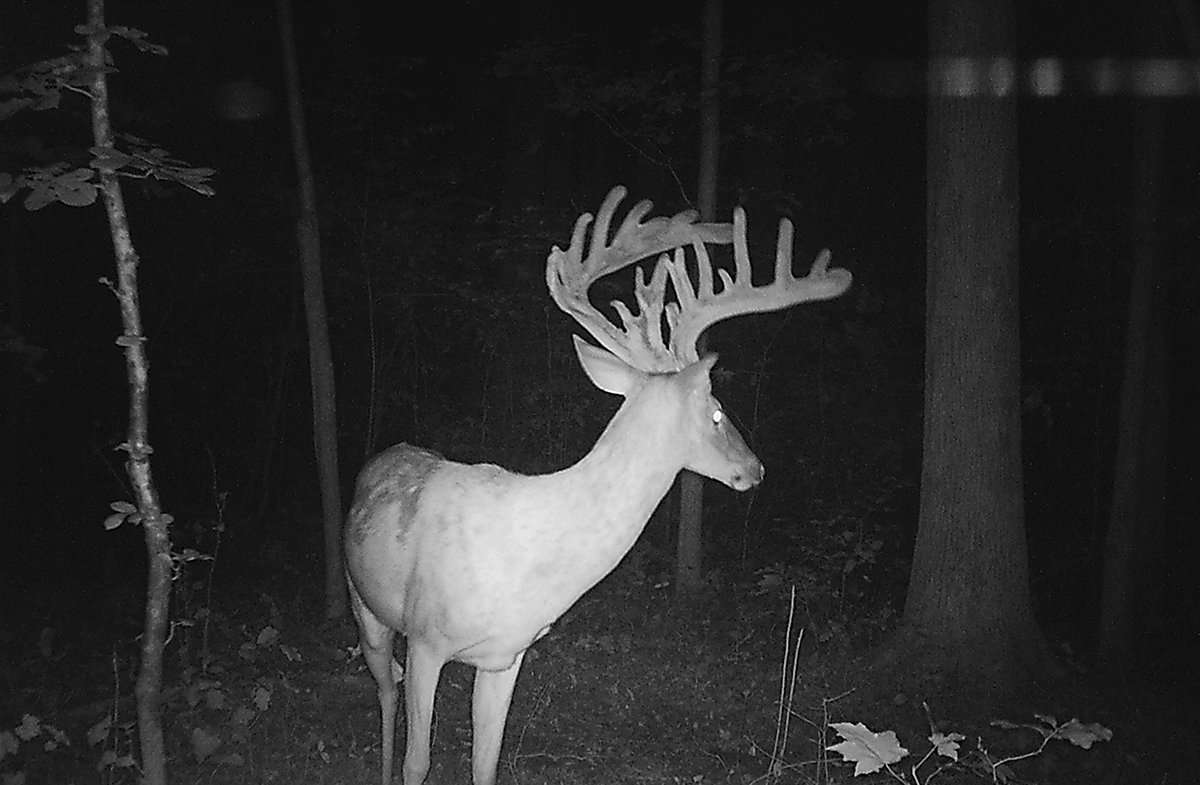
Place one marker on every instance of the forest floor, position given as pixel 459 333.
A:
pixel 630 686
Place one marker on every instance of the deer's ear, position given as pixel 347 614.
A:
pixel 607 371
pixel 697 374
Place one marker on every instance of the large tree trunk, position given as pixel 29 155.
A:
pixel 320 354
pixel 969 605
pixel 690 543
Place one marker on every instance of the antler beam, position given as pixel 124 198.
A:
pixel 640 342
pixel 699 308
pixel 569 274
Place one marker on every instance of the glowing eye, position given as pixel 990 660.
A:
pixel 718 416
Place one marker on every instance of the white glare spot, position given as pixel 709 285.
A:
pixel 1046 77
pixel 1002 76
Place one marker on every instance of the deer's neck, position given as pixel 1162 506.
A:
pixel 609 495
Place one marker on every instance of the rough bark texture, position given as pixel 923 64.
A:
pixel 690 543
pixel 969 604
pixel 320 353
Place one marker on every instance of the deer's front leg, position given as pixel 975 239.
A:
pixel 420 684
pixel 489 710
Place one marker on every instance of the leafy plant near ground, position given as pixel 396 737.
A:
pixel 28 738
pixel 871 752
pixel 628 686
pixel 213 707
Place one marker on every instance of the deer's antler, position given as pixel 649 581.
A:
pixel 569 274
pixel 699 308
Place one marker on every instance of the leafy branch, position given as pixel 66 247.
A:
pixel 870 751
pixel 40 86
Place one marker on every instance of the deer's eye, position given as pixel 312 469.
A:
pixel 718 417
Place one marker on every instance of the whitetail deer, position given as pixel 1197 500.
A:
pixel 474 563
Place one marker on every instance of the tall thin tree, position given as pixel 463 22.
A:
pixel 79 186
pixel 320 353
pixel 1132 545
pixel 154 522
pixel 690 541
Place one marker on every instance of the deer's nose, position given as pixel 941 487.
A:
pixel 748 478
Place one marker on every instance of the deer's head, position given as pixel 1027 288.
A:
pixel 701 436
pixel 637 353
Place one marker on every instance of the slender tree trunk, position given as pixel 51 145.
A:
pixel 320 354
pixel 690 543
pixel 968 597
pixel 12 435
pixel 1135 524
pixel 273 417
pixel 155 523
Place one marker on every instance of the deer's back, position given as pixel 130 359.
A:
pixel 427 543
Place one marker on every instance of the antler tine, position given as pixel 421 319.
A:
pixel 596 253
pixel 569 275
pixel 650 296
pixel 738 295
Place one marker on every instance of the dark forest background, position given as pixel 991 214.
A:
pixel 453 148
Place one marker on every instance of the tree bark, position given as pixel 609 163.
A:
pixel 690 542
pixel 320 354
pixel 154 522
pixel 968 596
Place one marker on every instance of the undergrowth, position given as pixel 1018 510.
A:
pixel 744 685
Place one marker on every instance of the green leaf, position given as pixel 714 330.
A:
pixel 869 751
pixel 9 186
pixel 8 744
pixel 203 190
pixel 107 758
pixel 1082 735
pixel 99 732
pixel 204 743
pixel 262 698
pixel 243 716
pixel 947 745
pixel 40 195
pixel 29 728
pixel 109 160
pixel 79 196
